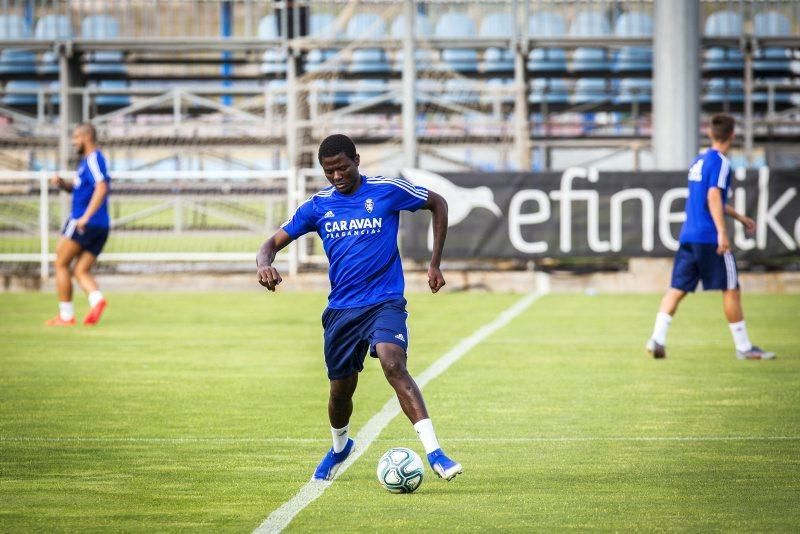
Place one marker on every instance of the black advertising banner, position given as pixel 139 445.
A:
pixel 581 212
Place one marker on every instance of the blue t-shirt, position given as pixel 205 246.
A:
pixel 359 235
pixel 91 170
pixel 710 169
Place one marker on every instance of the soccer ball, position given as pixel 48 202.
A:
pixel 400 470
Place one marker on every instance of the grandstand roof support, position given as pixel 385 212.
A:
pixel 293 150
pixel 410 154
pixel 676 83
pixel 69 77
pixel 522 147
pixel 748 103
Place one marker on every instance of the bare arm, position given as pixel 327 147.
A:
pixel 749 224
pixel 268 275
pixel 100 192
pixel 715 206
pixel 438 208
pixel 59 182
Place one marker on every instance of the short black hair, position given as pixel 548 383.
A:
pixel 335 144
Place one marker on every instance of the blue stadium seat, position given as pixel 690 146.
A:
pixel 327 93
pixel 723 24
pixel 12 98
pixel 54 97
pixel 425 91
pixel 549 91
pixel 461 91
pixel 634 58
pixel 102 27
pixel 457 25
pixel 547 24
pixel 323 25
pixel 722 90
pixel 277 91
pixel 52 28
pixel 14 61
pixel 590 24
pixel 116 100
pixel 424 58
pixel 273 60
pixel 499 24
pixel 365 26
pixel 504 97
pixel 591 91
pixel 772 24
pixel 635 90
pixel 367 89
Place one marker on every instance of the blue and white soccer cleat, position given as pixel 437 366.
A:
pixel 755 353
pixel 444 466
pixel 333 461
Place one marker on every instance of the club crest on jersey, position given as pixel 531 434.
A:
pixel 369 205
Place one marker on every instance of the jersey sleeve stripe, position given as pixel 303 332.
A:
pixel 306 201
pixel 94 168
pixel 411 189
pixel 413 192
pixel 724 169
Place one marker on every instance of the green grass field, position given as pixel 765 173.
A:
pixel 208 411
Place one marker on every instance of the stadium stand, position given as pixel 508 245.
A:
pixel 52 28
pixel 457 25
pixel 211 89
pixel 587 60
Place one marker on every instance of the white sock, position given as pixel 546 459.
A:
pixel 661 327
pixel 95 297
pixel 426 434
pixel 66 311
pixel 740 337
pixel 340 437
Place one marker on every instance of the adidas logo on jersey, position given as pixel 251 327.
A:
pixel 400 337
pixel 328 215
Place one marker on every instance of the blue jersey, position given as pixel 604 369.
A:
pixel 710 169
pixel 359 235
pixel 91 171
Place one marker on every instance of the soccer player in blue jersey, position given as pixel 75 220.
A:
pixel 85 231
pixel 357 218
pixel 705 250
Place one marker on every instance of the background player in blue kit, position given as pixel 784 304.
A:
pixel 86 230
pixel 705 250
pixel 357 219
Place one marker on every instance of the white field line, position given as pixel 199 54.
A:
pixel 315 441
pixel 282 516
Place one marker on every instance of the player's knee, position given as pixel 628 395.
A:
pixel 394 367
pixel 340 397
pixel 61 262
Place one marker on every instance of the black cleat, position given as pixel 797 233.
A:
pixel 656 349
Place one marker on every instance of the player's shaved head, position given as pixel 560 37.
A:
pixel 336 144
pixel 721 128
pixel 87 130
pixel 84 138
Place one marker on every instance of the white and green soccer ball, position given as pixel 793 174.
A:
pixel 400 470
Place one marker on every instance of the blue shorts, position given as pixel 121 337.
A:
pixel 700 261
pixel 351 332
pixel 92 239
